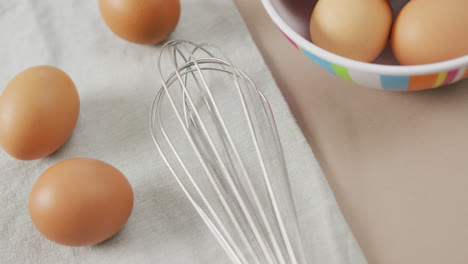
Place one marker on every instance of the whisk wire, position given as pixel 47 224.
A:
pixel 221 121
pixel 231 180
pixel 234 75
pixel 222 165
pixel 211 144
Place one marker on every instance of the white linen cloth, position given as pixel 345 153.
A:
pixel 116 82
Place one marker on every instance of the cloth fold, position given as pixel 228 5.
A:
pixel 116 81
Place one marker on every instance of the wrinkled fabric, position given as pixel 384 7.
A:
pixel 116 81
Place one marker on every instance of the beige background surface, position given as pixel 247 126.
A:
pixel 397 162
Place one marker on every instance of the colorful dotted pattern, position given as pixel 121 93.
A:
pixel 388 82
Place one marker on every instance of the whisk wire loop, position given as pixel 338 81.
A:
pixel 249 225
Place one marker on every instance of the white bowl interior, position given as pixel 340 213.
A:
pixel 297 13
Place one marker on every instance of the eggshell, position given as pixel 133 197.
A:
pixel 38 112
pixel 141 21
pixel 355 29
pixel 428 31
pixel 80 202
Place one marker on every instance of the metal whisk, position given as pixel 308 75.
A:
pixel 216 133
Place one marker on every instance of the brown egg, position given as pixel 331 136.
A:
pixel 141 21
pixel 38 112
pixel 355 29
pixel 80 202
pixel 428 31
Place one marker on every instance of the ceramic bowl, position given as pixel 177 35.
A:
pixel 292 18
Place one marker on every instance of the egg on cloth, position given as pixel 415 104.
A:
pixel 80 202
pixel 141 21
pixel 39 109
pixel 429 31
pixel 355 29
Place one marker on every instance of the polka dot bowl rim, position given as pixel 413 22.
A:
pixel 392 70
